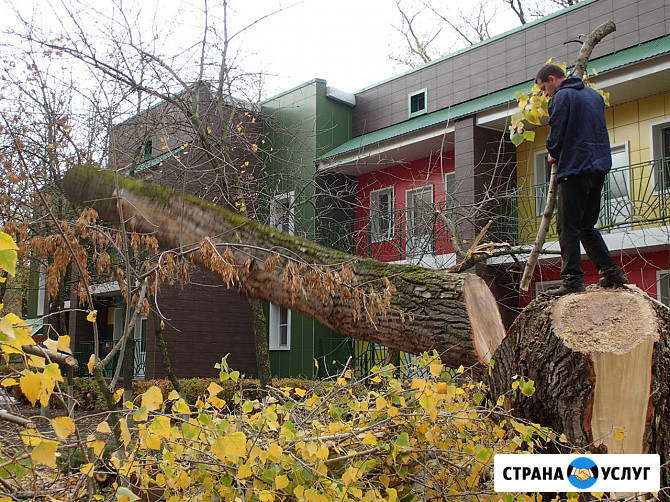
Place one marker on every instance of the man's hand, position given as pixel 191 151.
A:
pixel 550 160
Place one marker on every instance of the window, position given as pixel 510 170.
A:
pixel 542 177
pixel 281 213
pixel 148 149
pixel 660 140
pixel 418 102
pixel 381 215
pixel 283 218
pixel 616 204
pixel 420 214
pixel 280 328
pixel 664 287
pixel 450 201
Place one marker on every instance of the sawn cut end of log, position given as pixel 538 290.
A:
pixel 454 314
pixel 601 365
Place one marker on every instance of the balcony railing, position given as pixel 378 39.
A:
pixel 83 351
pixel 635 196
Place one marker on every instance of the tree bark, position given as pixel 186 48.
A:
pixel 455 314
pixel 601 365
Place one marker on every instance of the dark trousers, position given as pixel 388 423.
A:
pixel 578 209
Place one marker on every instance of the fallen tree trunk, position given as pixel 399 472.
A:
pixel 455 314
pixel 601 365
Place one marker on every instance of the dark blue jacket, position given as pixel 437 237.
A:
pixel 578 139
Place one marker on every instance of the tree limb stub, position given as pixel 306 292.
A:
pixel 56 357
pixel 455 314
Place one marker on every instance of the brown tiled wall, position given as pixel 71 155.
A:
pixel 206 323
pixel 511 60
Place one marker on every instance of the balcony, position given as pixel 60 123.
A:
pixel 635 196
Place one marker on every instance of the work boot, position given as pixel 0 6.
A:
pixel 612 278
pixel 571 284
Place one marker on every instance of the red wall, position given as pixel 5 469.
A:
pixel 640 269
pixel 419 173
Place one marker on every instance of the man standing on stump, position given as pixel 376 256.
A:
pixel 579 144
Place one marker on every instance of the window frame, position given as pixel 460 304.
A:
pixel 656 141
pixel 430 248
pixel 285 200
pixel 541 198
pixel 422 92
pixel 377 234
pixel 274 342
pixel 148 149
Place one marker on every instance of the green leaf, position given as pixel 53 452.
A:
pixel 8 261
pixel 517 139
pixel 529 135
pixel 403 441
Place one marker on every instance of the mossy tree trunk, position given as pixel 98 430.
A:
pixel 455 314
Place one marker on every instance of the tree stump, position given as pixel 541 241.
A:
pixel 601 365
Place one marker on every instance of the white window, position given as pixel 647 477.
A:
pixel 660 141
pixel 140 346
pixel 283 218
pixel 282 215
pixel 616 206
pixel 418 102
pixel 280 328
pixel 381 215
pixel 542 177
pixel 420 217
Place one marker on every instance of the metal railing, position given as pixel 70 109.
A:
pixel 84 350
pixel 634 196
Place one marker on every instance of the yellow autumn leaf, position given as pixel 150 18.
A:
pixel 6 242
pixel 8 382
pixel 52 371
pixel 63 426
pixel 91 364
pixel 275 452
pixel 161 426
pixel 281 482
pixel 125 432
pixel 141 415
pixel 214 388
pixel 436 369
pixel 173 395
pixel 234 444
pixel 152 399
pixel 218 403
pixel 300 392
pixel 620 434
pixel 98 446
pixel 92 316
pixel 370 439
pixel 51 344
pixel 88 469
pixel 45 453
pixel 118 394
pixel 154 441
pixel 64 344
pixel 31 385
pixel 244 471
pixel 180 406
pixel 103 428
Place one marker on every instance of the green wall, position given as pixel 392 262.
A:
pixel 299 125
